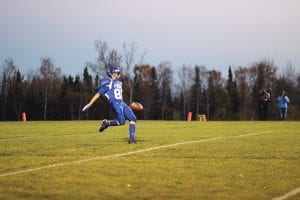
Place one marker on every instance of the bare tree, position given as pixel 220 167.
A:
pixel 289 72
pixel 129 59
pixel 129 54
pixel 185 77
pixel 8 70
pixel 144 85
pixel 262 76
pixel 105 58
pixel 50 75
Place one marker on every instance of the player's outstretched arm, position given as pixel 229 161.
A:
pixel 92 101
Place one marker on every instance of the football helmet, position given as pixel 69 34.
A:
pixel 113 69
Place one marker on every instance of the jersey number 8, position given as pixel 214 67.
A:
pixel 118 94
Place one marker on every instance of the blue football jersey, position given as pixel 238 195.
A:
pixel 112 89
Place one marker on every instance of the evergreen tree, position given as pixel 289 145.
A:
pixel 34 100
pixel 165 82
pixel 155 106
pixel 218 98
pixel 196 93
pixel 88 90
pixel 17 92
pixel 234 104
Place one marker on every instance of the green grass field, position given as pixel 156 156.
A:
pixel 172 160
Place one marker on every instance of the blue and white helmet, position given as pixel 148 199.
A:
pixel 112 69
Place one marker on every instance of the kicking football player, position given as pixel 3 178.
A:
pixel 111 88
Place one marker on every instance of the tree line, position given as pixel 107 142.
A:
pixel 166 93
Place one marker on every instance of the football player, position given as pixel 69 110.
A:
pixel 111 88
pixel 283 103
pixel 264 98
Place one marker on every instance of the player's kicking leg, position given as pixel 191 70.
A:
pixel 106 123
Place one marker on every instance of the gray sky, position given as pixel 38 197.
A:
pixel 214 33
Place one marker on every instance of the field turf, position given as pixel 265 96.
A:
pixel 172 160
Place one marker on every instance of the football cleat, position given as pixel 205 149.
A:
pixel 103 126
pixel 131 141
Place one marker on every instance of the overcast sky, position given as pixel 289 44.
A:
pixel 214 33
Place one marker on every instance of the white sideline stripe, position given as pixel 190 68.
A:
pixel 124 154
pixel 289 194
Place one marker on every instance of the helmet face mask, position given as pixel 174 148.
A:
pixel 112 71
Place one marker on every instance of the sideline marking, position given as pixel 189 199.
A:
pixel 289 194
pixel 126 154
pixel 31 137
pixel 18 138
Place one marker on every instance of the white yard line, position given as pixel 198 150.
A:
pixel 289 194
pixel 124 154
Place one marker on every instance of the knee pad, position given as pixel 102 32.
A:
pixel 121 121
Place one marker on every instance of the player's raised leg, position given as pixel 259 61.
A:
pixel 120 118
pixel 106 123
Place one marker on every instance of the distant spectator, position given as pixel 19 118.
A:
pixel 263 102
pixel 283 104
